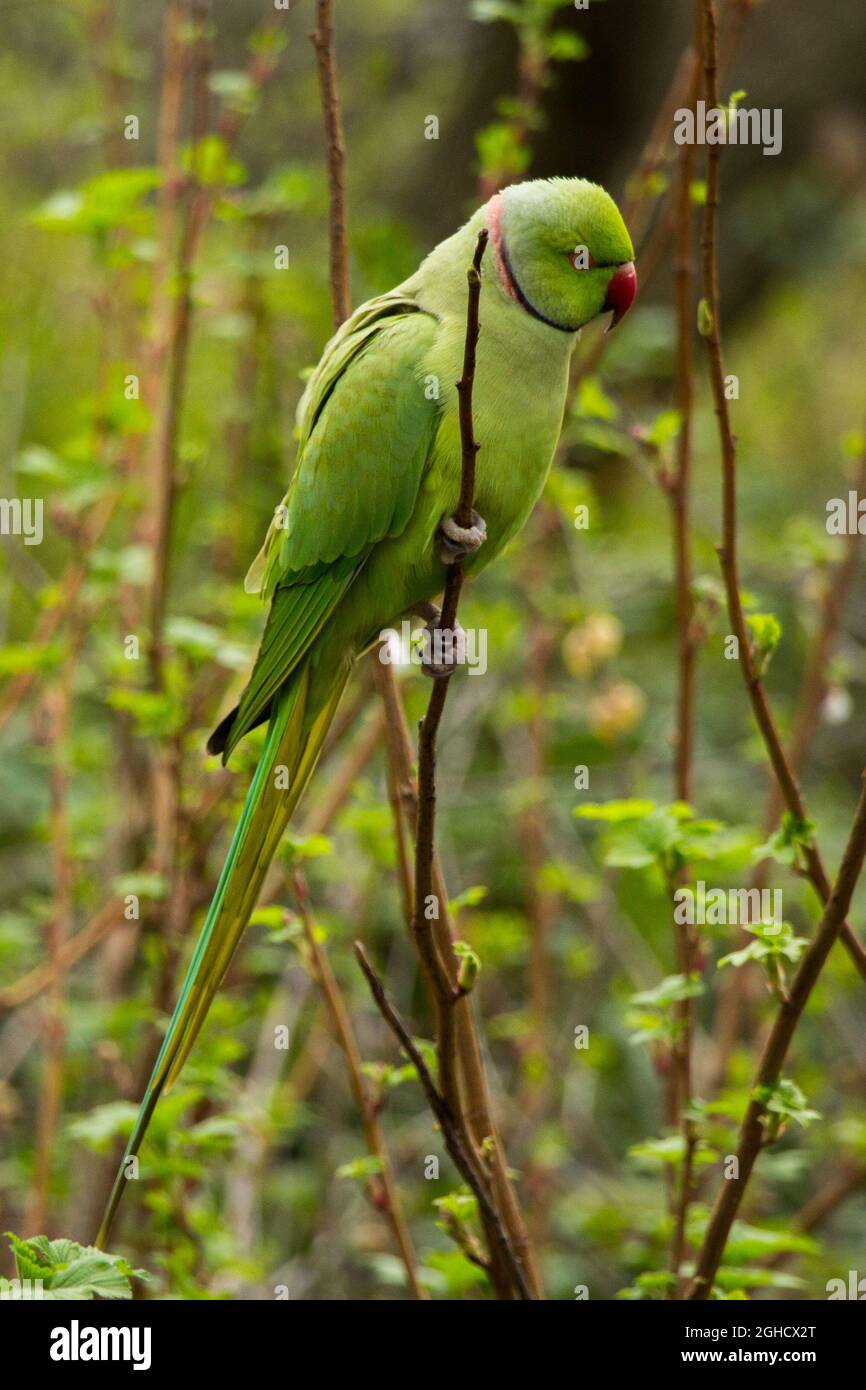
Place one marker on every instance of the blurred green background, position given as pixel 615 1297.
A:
pixel 243 1190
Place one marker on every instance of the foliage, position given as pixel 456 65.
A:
pixel 255 1172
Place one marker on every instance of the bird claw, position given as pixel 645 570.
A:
pixel 456 542
pixel 449 648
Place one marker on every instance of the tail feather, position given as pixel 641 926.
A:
pixel 289 755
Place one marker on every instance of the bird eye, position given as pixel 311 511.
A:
pixel 581 258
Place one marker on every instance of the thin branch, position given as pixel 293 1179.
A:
pixel 814 684
pixel 477 1109
pixel 72 950
pixel 171 315
pixel 435 952
pixel 348 1045
pixel 437 972
pixel 813 692
pixel 461 1153
pixel 826 1200
pixel 478 1112
pixel 57 711
pixel 637 207
pixel 174 307
pixel 323 42
pixel 679 492
pixel 640 203
pixel 753 1132
pixel 783 771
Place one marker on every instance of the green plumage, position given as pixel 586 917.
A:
pixel 353 545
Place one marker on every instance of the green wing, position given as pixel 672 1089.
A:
pixel 365 432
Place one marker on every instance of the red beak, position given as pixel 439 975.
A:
pixel 621 290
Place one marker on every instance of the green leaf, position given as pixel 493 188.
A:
pixel 38 462
pixel 786 1101
pixel 470 897
pixel 212 163
pixel 234 85
pixel 592 402
pixel 671 1150
pixel 673 989
pixel 71 1271
pixel 470 965
pixel 298 847
pixel 729 1277
pixel 22 658
pixel 664 428
pixel 199 640
pixel 142 885
pixel 361 1168
pixel 786 844
pixel 461 1204
pixel 774 941
pixel 705 318
pixel 566 46
pixel 747 1243
pixel 767 633
pixel 628 851
pixel 104 1125
pixel 652 1013
pixel 500 150
pixel 102 204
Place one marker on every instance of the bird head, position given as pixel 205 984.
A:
pixel 562 251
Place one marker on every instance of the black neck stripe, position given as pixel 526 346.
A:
pixel 521 297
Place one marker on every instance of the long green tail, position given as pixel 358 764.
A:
pixel 293 743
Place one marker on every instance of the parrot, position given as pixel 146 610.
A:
pixel 365 533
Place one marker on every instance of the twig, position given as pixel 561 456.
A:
pixel 57 710
pixel 323 42
pixel 753 1132
pixel 638 204
pixel 813 691
pixel 433 951
pixel 398 744
pixel 782 769
pixel 464 1159
pixel 679 492
pixel 437 972
pixel 347 1043
pixel 173 309
pixel 814 684
pixel 541 902
pixel 170 317
pixel 72 950
pixel 533 70
pixel 825 1201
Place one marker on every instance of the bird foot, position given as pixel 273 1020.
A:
pixel 443 649
pixel 456 542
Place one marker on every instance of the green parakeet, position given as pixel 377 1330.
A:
pixel 365 532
